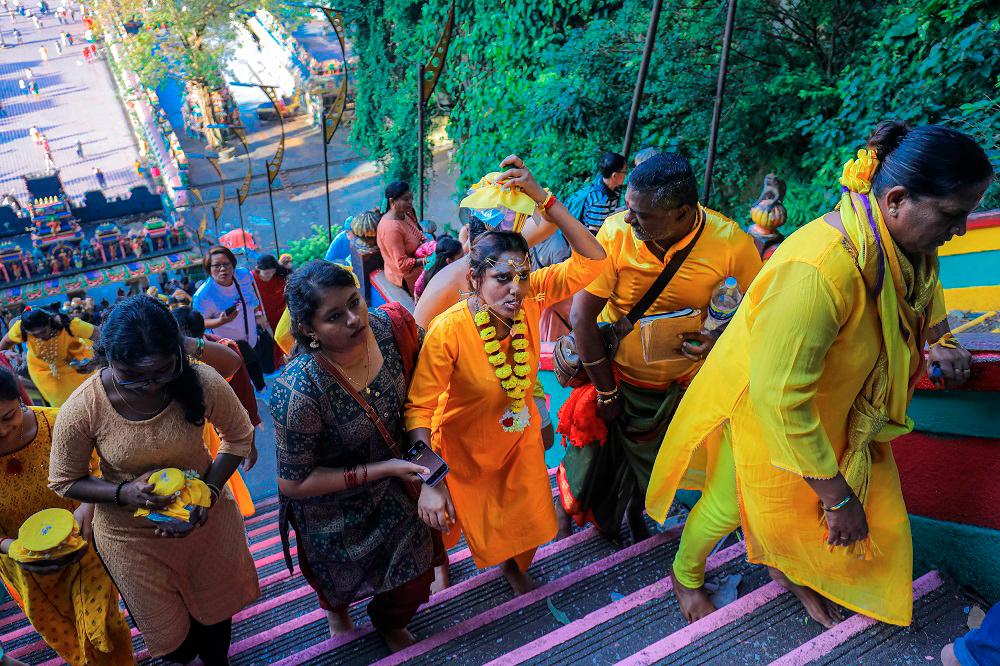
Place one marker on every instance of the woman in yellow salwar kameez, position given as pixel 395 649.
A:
pixel 811 381
pixel 53 341
pixel 497 491
pixel 74 608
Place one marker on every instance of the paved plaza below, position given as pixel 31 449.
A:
pixel 76 101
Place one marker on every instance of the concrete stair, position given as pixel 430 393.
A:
pixel 597 604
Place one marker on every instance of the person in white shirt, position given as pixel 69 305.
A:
pixel 229 303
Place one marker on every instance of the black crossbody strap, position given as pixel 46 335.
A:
pixel 239 292
pixel 654 291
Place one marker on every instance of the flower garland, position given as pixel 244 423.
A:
pixel 514 380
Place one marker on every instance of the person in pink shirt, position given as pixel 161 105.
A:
pixel 399 236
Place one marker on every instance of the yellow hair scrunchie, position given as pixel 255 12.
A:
pixel 858 173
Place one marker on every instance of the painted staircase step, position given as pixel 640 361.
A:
pixel 283 594
pixel 32 647
pixel 522 619
pixel 776 624
pixel 939 616
pixel 309 634
pixel 647 624
pixel 725 616
pixel 563 645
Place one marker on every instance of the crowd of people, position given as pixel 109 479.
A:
pixel 29 82
pixel 397 433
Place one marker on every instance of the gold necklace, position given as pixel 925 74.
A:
pixel 362 385
pixel 114 383
pixel 48 351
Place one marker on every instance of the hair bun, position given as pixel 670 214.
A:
pixel 887 137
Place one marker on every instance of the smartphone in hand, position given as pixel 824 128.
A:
pixel 421 454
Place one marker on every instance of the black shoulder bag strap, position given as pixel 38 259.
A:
pixel 239 292
pixel 654 291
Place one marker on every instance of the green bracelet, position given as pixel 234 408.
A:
pixel 839 505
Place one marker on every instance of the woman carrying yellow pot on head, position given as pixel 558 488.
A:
pixel 810 384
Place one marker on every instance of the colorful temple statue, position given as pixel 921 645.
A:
pixel 13 262
pixel 157 234
pixel 108 241
pixel 53 228
pixel 768 214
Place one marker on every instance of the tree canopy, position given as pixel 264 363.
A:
pixel 552 80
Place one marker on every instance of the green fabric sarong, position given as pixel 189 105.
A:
pixel 598 481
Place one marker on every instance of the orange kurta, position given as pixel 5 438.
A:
pixel 236 483
pixel 498 480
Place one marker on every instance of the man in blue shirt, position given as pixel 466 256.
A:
pixel 605 191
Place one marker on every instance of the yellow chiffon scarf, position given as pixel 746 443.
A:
pixel 903 290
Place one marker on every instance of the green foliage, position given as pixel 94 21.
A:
pixel 188 39
pixel 552 80
pixel 313 246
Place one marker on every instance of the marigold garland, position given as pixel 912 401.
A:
pixel 513 380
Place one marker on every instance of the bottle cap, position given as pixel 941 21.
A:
pixel 730 282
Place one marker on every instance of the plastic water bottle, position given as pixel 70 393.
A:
pixel 725 299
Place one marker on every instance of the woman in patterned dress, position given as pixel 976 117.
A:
pixel 343 487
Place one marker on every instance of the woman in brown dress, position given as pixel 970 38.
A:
pixel 144 411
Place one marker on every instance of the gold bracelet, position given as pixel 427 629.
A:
pixel 606 394
pixel 590 364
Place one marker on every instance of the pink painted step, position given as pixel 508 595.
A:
pixel 726 615
pixel 517 603
pixel 330 644
pixel 820 646
pixel 657 590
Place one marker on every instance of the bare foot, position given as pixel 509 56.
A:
pixel 693 602
pixel 519 580
pixel 819 607
pixel 563 520
pixel 442 578
pixel 948 657
pixel 397 639
pixel 340 622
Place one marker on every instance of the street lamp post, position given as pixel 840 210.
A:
pixel 640 82
pixel 720 89
pixel 273 165
pixel 221 203
pixel 243 191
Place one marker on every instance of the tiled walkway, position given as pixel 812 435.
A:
pixel 76 101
